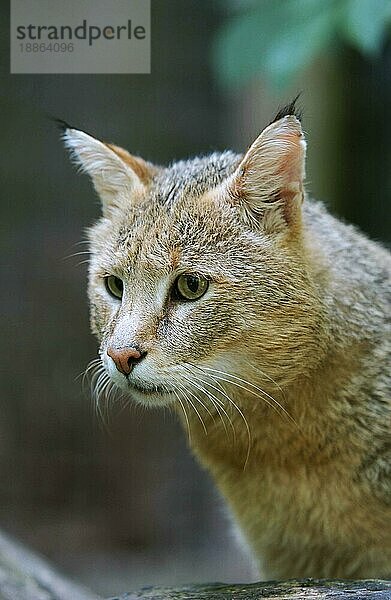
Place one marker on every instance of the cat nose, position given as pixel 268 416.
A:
pixel 125 358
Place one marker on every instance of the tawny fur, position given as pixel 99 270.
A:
pixel 295 324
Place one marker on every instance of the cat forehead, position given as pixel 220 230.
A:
pixel 173 207
pixel 159 249
pixel 153 232
pixel 160 237
pixel 193 177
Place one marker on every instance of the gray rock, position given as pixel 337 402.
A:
pixel 307 589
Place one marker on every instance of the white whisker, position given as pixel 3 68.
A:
pixel 232 403
pixel 185 413
pixel 252 389
pixel 212 398
pixel 263 374
pixel 186 397
pixel 184 389
pixel 76 254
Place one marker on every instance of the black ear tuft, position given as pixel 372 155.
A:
pixel 289 109
pixel 61 124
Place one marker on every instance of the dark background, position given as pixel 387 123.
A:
pixel 123 504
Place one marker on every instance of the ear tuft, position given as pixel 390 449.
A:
pixel 61 124
pixel 289 109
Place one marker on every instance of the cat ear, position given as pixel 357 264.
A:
pixel 114 172
pixel 268 183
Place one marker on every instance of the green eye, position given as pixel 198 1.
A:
pixel 114 286
pixel 190 287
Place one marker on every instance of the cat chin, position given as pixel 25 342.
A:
pixel 151 398
pixel 148 395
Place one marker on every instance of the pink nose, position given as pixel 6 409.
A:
pixel 125 358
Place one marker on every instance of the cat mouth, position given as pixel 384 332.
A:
pixel 149 389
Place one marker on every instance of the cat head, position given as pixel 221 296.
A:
pixel 198 270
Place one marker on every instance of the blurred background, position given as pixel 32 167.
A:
pixel 124 504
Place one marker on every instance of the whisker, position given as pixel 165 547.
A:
pixel 232 403
pixel 125 401
pixel 103 392
pixel 234 379
pixel 269 378
pixel 244 420
pixel 93 363
pixel 69 256
pixel 220 389
pixel 218 404
pixel 195 409
pixel 80 242
pixel 96 396
pixel 185 413
pixel 184 389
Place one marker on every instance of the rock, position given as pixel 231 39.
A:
pixel 306 589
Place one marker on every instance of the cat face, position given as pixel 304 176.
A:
pixel 197 271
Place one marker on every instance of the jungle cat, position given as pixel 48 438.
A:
pixel 264 322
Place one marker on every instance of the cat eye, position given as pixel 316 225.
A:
pixel 190 287
pixel 114 286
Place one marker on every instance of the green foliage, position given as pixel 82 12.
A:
pixel 363 23
pixel 279 38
